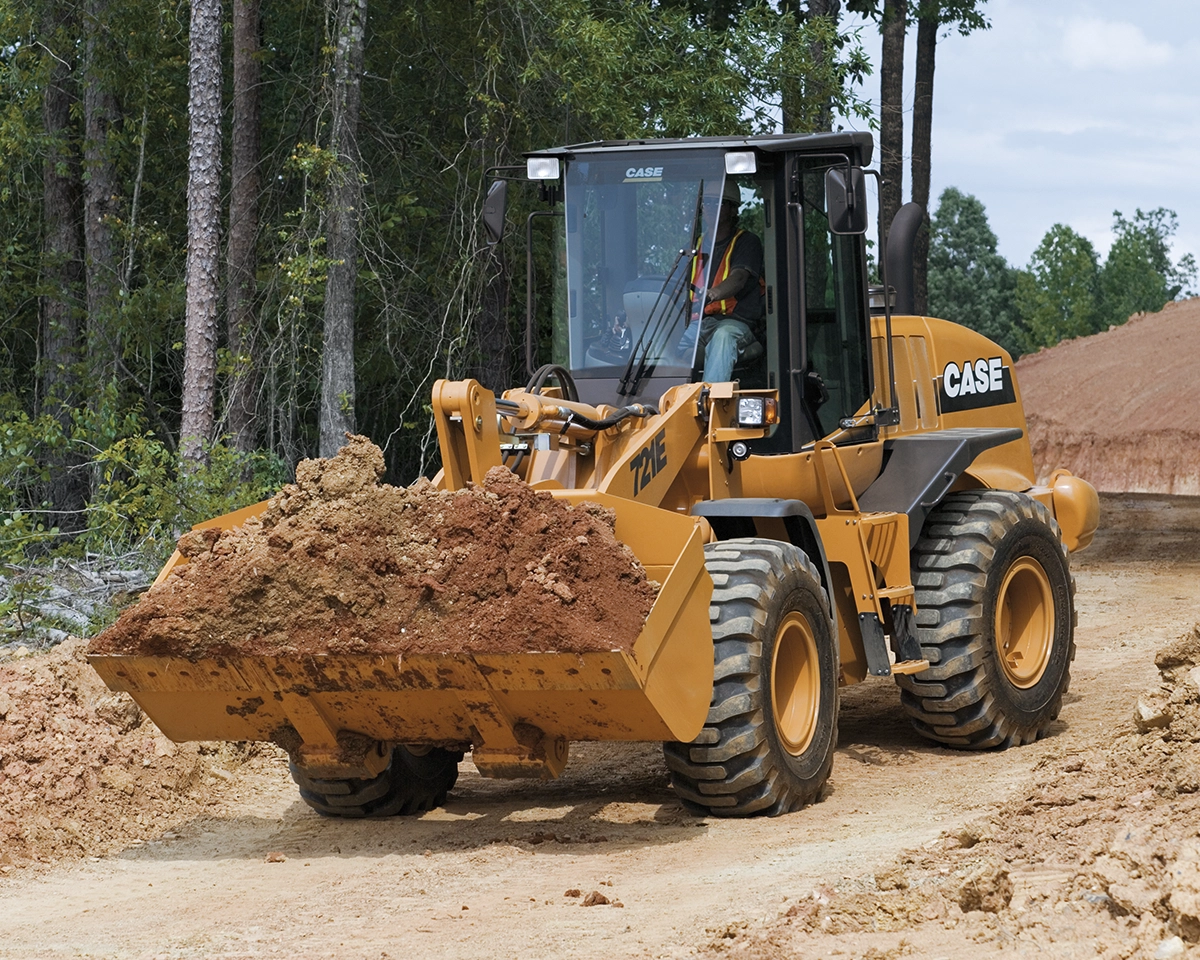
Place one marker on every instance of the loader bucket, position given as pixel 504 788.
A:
pixel 518 711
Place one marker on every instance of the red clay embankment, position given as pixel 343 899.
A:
pixel 1121 408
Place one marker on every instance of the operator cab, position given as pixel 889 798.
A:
pixel 638 218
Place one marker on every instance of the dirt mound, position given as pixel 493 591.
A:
pixel 1102 849
pixel 1120 408
pixel 81 771
pixel 341 563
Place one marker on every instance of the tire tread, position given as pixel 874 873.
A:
pixel 728 770
pixel 952 702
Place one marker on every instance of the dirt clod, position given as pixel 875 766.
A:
pixel 989 888
pixel 594 899
pixel 893 878
pixel 340 563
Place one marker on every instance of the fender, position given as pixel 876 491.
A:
pixel 736 516
pixel 920 468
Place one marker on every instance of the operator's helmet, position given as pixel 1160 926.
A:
pixel 732 193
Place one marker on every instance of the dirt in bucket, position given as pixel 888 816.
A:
pixel 340 563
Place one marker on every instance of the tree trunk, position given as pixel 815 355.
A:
pixel 243 227
pixel 927 30
pixel 62 272
pixel 341 243
pixel 100 198
pixel 891 110
pixel 821 54
pixel 799 95
pixel 204 215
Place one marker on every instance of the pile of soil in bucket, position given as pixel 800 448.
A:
pixel 340 563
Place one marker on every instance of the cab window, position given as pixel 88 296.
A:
pixel 837 324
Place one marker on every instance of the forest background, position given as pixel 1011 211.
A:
pixel 191 301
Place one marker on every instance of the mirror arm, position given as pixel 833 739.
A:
pixel 496 174
pixel 891 415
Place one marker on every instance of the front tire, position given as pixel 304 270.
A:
pixel 415 780
pixel 767 745
pixel 995 619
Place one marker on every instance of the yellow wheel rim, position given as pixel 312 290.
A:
pixel 1024 623
pixel 795 684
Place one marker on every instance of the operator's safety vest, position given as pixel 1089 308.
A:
pixel 728 304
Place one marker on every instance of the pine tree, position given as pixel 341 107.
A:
pixel 969 282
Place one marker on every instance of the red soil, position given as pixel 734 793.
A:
pixel 341 563
pixel 1121 408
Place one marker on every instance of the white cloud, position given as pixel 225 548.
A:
pixel 1043 138
pixel 1110 45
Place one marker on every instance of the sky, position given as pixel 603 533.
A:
pixel 1062 112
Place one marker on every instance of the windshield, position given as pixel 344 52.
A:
pixel 632 223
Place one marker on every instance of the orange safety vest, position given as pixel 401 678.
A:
pixel 729 304
pixel 697 265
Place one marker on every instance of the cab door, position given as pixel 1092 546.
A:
pixel 830 373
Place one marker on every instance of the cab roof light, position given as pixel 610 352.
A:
pixel 541 168
pixel 740 161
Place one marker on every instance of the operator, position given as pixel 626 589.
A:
pixel 734 302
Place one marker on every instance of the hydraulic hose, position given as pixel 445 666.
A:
pixel 571 417
pixel 560 373
pixel 622 413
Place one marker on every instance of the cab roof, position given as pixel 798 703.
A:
pixel 858 144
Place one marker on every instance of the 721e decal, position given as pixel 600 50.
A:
pixel 648 461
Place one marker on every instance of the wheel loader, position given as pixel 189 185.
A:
pixel 857 501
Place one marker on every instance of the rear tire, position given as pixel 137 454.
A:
pixel 411 783
pixel 767 745
pixel 995 620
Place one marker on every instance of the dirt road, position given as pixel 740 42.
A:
pixel 487 875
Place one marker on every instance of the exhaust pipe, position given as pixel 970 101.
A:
pixel 900 239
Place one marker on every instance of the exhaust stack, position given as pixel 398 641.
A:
pixel 900 239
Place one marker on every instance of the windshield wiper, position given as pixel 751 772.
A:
pixel 641 350
pixel 630 379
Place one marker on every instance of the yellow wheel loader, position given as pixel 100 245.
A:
pixel 857 500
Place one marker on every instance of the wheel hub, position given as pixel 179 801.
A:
pixel 795 683
pixel 1024 622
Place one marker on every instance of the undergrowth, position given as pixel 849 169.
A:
pixel 137 498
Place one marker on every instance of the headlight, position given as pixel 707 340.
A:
pixel 757 411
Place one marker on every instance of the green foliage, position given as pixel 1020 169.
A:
pixel 1059 295
pixel 969 282
pixel 637 69
pixel 143 496
pixel 24 525
pixel 1138 275
pixel 964 15
pixel 1065 292
pixel 140 496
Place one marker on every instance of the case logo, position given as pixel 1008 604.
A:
pixel 643 173
pixel 985 382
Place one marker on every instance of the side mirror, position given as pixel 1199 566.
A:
pixel 493 210
pixel 846 200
